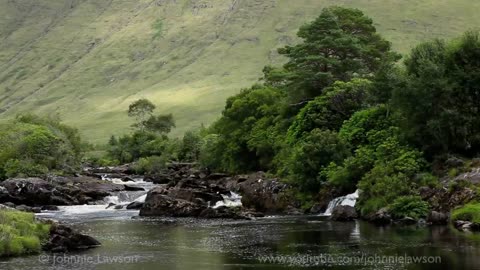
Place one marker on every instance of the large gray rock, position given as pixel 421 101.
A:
pixel 64 239
pixel 158 204
pixel 437 218
pixel 344 213
pixel 381 217
pixel 55 191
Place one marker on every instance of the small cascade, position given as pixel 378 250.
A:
pixel 350 200
pixel 231 200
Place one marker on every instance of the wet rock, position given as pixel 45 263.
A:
pixel 381 217
pixel 221 212
pixel 316 209
pixel 159 178
pixel 25 208
pixel 50 208
pixel 466 226
pixel 134 205
pixel 110 205
pixel 261 193
pixel 437 218
pixel 133 188
pixel 56 191
pixel 344 213
pixel 118 207
pixel 158 204
pixel 9 204
pixel 64 239
pixel 406 221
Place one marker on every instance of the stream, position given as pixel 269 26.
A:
pixel 276 242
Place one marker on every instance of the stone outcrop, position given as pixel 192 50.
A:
pixel 344 213
pixel 55 191
pixel 65 239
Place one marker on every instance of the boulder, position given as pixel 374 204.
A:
pixel 55 191
pixel 135 205
pixel 133 188
pixel 50 208
pixel 344 213
pixel 64 239
pixel 406 221
pixel 466 226
pixel 158 204
pixel 316 209
pixel 437 218
pixel 381 217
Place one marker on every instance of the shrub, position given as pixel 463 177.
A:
pixel 20 233
pixel 409 206
pixel 149 165
pixel 24 168
pixel 469 212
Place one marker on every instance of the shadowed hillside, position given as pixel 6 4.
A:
pixel 86 60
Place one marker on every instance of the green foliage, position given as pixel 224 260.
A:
pixel 159 123
pixel 341 44
pixel 311 156
pixel 150 165
pixel 20 233
pixel 248 133
pixel 32 146
pixel 440 99
pixel 330 110
pixel 24 168
pixel 469 212
pixel 129 148
pixel 409 206
pixel 190 147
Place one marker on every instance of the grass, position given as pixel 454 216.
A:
pixel 469 212
pixel 88 60
pixel 20 234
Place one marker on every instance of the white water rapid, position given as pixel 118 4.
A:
pixel 350 200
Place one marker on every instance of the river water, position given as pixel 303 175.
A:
pixel 302 242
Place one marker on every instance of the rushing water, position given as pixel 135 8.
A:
pixel 306 242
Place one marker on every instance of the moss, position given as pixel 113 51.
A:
pixel 20 233
pixel 469 212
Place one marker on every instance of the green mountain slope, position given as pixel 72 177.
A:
pixel 86 60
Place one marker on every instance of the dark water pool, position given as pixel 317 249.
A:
pixel 267 243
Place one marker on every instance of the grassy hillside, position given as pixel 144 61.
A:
pixel 86 60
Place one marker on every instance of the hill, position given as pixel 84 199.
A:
pixel 86 60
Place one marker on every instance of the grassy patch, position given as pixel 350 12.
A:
pixel 20 233
pixel 468 212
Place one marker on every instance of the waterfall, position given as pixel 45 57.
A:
pixel 349 200
pixel 231 200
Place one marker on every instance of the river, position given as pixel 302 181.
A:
pixel 295 242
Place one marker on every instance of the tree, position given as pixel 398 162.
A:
pixel 330 110
pixel 159 123
pixel 339 45
pixel 141 110
pixel 441 99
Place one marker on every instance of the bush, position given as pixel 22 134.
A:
pixel 150 165
pixel 32 146
pixel 24 168
pixel 312 155
pixel 20 233
pixel 409 206
pixel 469 212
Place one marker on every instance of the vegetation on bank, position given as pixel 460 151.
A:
pixel 20 233
pixel 34 146
pixel 469 212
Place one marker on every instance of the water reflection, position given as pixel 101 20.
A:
pixel 193 244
